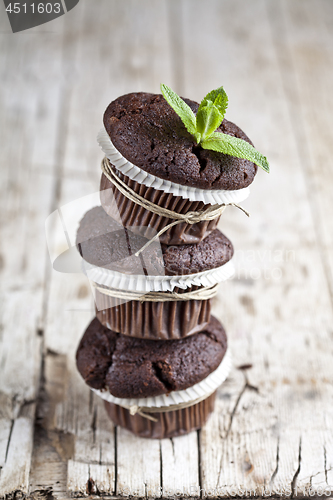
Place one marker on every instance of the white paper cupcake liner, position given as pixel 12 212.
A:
pixel 142 283
pixel 220 196
pixel 200 390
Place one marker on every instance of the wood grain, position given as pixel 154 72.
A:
pixel 271 431
pixel 27 121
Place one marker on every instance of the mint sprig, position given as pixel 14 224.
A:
pixel 208 118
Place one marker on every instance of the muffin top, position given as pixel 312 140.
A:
pixel 149 134
pixel 103 242
pixel 134 368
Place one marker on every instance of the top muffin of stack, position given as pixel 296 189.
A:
pixel 147 132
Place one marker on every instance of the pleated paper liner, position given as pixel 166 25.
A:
pixel 166 425
pixel 153 320
pixel 213 196
pixel 201 390
pixel 142 283
pixel 132 214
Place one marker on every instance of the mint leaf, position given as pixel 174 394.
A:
pixel 181 108
pixel 211 112
pixel 219 98
pixel 229 145
pixel 208 119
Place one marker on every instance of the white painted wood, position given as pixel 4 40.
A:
pixel 5 430
pixel 130 53
pixel 138 470
pixel 271 430
pixel 180 462
pixel 138 65
pixel 78 475
pixel 23 258
pixel 15 474
pixel 103 479
pixel 277 306
pixel 27 119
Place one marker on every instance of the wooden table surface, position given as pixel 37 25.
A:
pixel 272 428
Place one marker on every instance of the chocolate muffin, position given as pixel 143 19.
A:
pixel 135 368
pixel 165 425
pixel 149 134
pixel 103 242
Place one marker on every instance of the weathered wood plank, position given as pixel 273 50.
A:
pixel 75 411
pixel 272 427
pixel 15 474
pixel 138 465
pixel 178 478
pixel 253 443
pixel 130 54
pixel 131 63
pixel 305 52
pixel 78 477
pixel 29 130
pixel 5 431
pixel 24 208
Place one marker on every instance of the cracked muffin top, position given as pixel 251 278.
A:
pixel 103 242
pixel 149 134
pixel 133 368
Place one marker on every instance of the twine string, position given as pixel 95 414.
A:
pixel 135 410
pixel 192 217
pixel 144 411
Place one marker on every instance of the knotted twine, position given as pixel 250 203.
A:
pixel 210 213
pixel 144 411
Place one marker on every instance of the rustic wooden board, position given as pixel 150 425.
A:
pixel 27 189
pixel 271 431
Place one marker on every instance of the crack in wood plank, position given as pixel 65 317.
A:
pixel 93 425
pixel 161 468
pixel 232 414
pixel 246 386
pixel 294 481
pixel 199 464
pixel 277 463
pixel 115 460
pixel 9 438
pixel 325 465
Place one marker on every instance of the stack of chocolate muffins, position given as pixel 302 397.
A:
pixel 154 256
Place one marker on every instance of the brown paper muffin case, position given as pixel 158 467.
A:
pixel 132 214
pixel 169 424
pixel 153 320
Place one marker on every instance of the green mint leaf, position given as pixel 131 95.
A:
pixel 217 97
pixel 197 136
pixel 208 119
pixel 229 145
pixel 181 108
